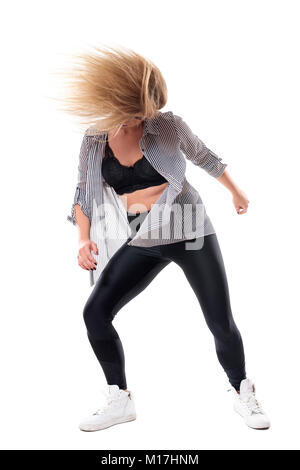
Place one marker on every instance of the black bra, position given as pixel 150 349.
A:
pixel 126 179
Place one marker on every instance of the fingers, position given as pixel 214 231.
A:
pixel 241 210
pixel 242 207
pixel 85 259
pixel 85 264
pixel 94 248
pixel 90 258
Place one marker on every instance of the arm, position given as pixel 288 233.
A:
pixel 198 153
pixel 239 198
pixel 80 192
pixel 80 215
pixel 82 222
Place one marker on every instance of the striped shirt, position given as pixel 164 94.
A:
pixel 178 214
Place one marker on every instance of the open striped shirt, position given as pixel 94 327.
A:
pixel 178 214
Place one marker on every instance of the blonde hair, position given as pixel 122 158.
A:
pixel 108 86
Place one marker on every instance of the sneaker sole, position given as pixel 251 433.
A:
pixel 108 425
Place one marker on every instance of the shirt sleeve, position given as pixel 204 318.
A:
pixel 80 191
pixel 196 151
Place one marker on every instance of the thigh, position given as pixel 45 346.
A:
pixel 205 271
pixel 128 272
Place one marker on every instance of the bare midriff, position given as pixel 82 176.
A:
pixel 127 150
pixel 142 199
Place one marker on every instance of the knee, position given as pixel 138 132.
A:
pixel 89 314
pixel 96 317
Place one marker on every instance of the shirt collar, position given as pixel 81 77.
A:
pixel 151 126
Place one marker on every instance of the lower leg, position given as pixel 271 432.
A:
pixel 230 352
pixel 110 354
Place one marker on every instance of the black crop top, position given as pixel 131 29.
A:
pixel 126 179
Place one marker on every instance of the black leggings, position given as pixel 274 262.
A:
pixel 131 269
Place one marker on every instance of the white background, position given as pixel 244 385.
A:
pixel 232 70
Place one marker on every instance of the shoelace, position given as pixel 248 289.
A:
pixel 252 403
pixel 109 400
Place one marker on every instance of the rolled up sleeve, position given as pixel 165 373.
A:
pixel 196 151
pixel 80 196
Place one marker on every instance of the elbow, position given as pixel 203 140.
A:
pixel 79 199
pixel 218 170
pixel 213 164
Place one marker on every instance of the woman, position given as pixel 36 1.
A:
pixel 136 211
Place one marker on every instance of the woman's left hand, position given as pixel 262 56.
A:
pixel 240 201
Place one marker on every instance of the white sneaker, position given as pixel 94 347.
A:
pixel 246 405
pixel 118 408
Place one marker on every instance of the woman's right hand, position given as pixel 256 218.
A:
pixel 85 258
